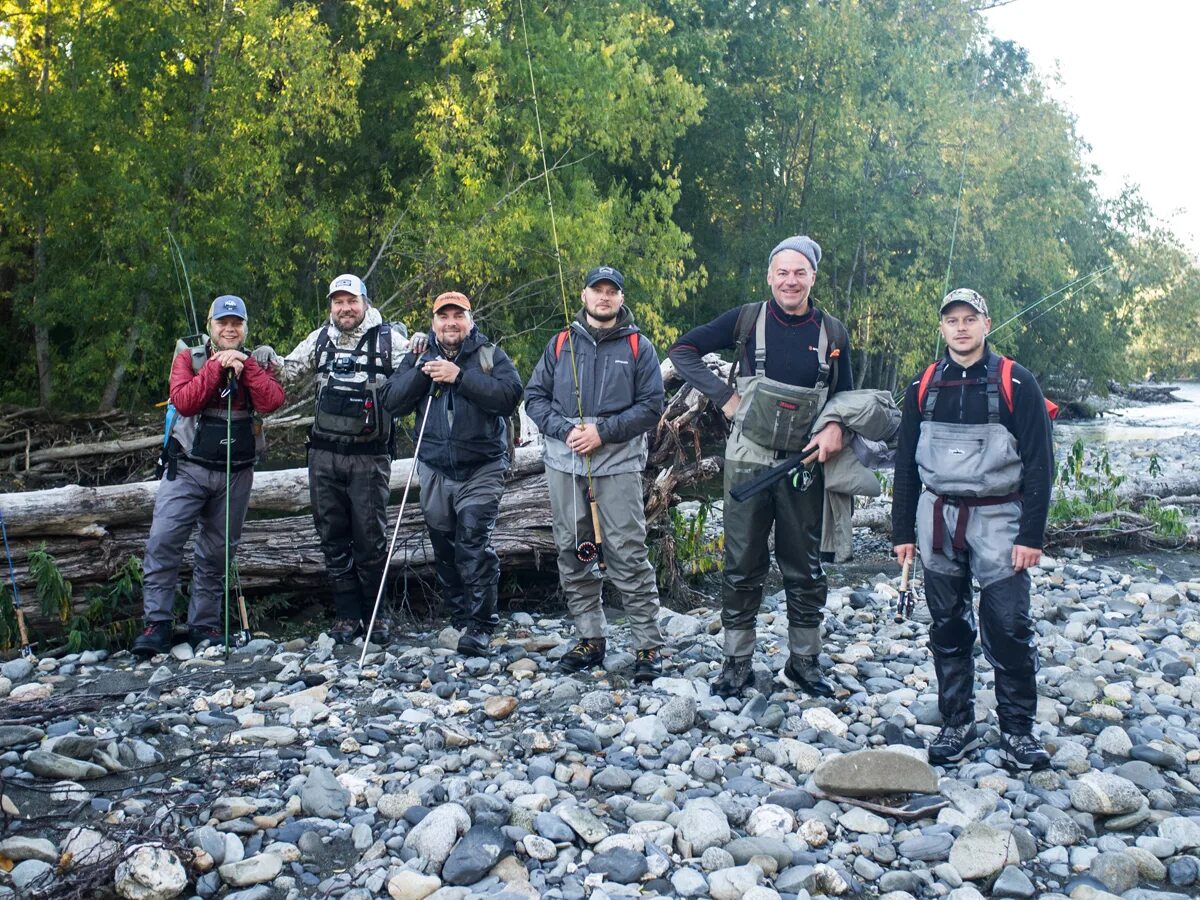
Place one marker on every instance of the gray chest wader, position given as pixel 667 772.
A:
pixel 773 421
pixel 967 522
pixel 972 477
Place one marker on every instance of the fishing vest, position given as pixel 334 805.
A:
pixel 967 465
pixel 772 414
pixel 349 417
pixel 216 436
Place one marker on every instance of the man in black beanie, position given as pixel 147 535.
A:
pixel 772 404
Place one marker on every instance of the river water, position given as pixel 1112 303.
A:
pixel 1156 421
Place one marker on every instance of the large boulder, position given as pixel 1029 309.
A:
pixel 150 873
pixel 867 773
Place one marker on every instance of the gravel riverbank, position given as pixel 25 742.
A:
pixel 287 772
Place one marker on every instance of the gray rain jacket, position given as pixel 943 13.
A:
pixel 620 390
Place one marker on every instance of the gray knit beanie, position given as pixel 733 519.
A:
pixel 801 243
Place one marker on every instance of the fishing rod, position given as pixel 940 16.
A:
pixel 26 647
pixel 585 551
pixel 1089 278
pixel 177 261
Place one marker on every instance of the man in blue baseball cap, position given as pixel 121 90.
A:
pixel 212 447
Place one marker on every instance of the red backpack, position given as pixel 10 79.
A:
pixel 565 333
pixel 1005 385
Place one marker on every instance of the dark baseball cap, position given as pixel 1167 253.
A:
pixel 605 273
pixel 228 305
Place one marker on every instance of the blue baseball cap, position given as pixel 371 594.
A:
pixel 605 273
pixel 228 305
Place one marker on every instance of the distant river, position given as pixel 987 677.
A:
pixel 1158 421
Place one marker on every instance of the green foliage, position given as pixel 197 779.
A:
pixel 696 552
pixel 53 591
pixel 105 621
pixel 10 634
pixel 283 142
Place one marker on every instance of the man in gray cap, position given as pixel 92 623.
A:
pixel 789 357
pixel 349 445
pixel 213 443
pixel 974 469
pixel 595 392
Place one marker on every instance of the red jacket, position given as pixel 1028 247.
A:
pixel 193 392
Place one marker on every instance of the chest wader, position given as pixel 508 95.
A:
pixel 967 522
pixel 774 421
pixel 349 469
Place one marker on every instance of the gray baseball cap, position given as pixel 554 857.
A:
pixel 972 298
pixel 228 305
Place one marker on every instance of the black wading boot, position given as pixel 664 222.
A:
pixel 953 744
pixel 157 637
pixel 648 665
pixel 803 674
pixel 736 673
pixel 588 653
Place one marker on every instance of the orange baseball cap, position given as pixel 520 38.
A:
pixel 451 298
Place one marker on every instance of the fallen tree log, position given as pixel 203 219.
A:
pixel 1148 392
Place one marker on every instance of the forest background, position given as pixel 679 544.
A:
pixel 281 143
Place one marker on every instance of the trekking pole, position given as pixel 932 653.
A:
pixel 26 647
pixel 396 531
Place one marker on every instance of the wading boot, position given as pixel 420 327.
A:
pixel 953 743
pixel 157 637
pixel 198 634
pixel 344 631
pixel 1023 752
pixel 803 674
pixel 648 665
pixel 736 673
pixel 588 653
pixel 474 642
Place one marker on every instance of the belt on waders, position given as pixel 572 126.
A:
pixel 964 505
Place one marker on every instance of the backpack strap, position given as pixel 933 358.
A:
pixel 383 347
pixel 930 381
pixel 321 348
pixel 745 324
pixel 1006 388
pixel 823 356
pixel 634 343
pixel 487 358
pixel 560 340
pixel 993 388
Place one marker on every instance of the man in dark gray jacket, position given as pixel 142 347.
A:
pixel 471 387
pixel 594 394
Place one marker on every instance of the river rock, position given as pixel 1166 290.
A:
pixel 24 874
pixel 272 735
pixel 701 825
pixel 435 835
pixel 480 848
pixel 18 735
pixel 621 865
pixel 863 822
pixel 409 885
pixel 732 884
pixel 499 707
pixel 1105 794
pixel 1012 882
pixel 583 822
pixel 52 765
pixel 323 796
pixel 866 773
pixel 1116 871
pixel 1183 832
pixel 255 870
pixel 678 714
pixel 19 848
pixel 770 819
pixel 150 873
pixel 981 851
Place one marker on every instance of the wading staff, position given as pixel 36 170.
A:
pixel 433 392
pixel 904 603
pixel 26 647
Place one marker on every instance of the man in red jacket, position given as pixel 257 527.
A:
pixel 213 447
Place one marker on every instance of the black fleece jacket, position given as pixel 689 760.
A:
pixel 467 424
pixel 791 342
pixel 1028 422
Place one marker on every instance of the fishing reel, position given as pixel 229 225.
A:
pixel 587 552
pixel 904 606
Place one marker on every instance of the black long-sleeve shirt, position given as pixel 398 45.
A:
pixel 968 405
pixel 791 359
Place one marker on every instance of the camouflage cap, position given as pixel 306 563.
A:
pixel 972 298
